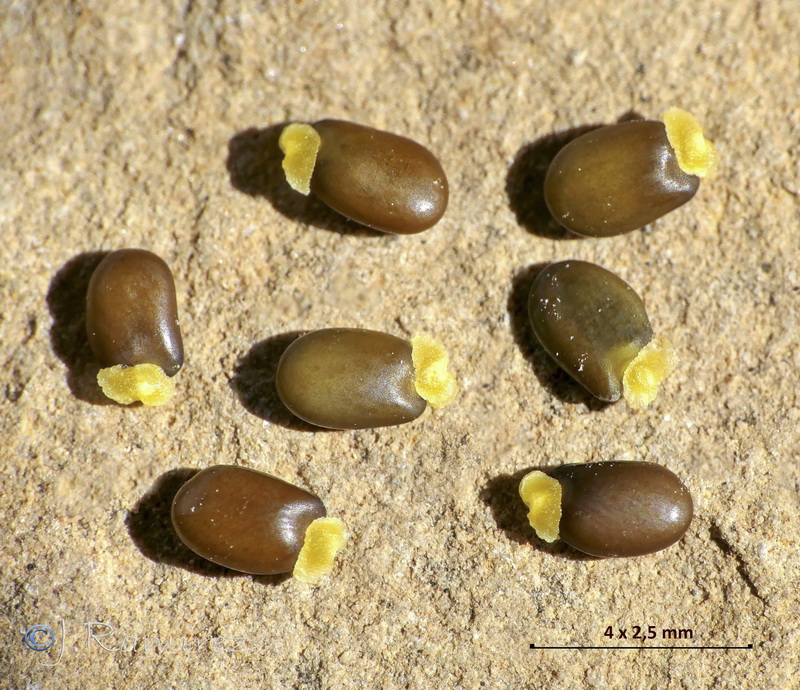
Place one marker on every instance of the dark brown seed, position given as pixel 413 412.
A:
pixel 381 180
pixel 591 322
pixel 349 378
pixel 132 312
pixel 622 508
pixel 616 179
pixel 243 519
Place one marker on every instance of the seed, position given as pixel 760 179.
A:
pixel 608 509
pixel 351 378
pixel 619 178
pixel 596 327
pixel 376 178
pixel 255 523
pixel 133 329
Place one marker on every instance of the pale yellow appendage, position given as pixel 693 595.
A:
pixel 542 494
pixel 431 379
pixel 649 368
pixel 696 154
pixel 300 144
pixel 146 383
pixel 324 539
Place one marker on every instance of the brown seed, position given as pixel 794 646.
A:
pixel 132 313
pixel 609 509
pixel 596 327
pixel 349 378
pixel 244 520
pixel 381 180
pixel 619 178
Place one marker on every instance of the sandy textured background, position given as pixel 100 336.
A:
pixel 153 125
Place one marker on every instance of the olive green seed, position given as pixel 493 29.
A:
pixel 619 178
pixel 351 378
pixel 596 328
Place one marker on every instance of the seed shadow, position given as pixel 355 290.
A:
pixel 501 495
pixel 525 180
pixel 254 383
pixel 630 116
pixel 254 165
pixel 525 183
pixel 150 527
pixel 551 376
pixel 66 301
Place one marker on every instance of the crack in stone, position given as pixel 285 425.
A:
pixel 741 566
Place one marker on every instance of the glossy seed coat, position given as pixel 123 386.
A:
pixel 132 313
pixel 243 519
pixel 591 322
pixel 622 508
pixel 379 179
pixel 348 378
pixel 616 179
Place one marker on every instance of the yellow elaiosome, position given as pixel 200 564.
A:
pixel 542 494
pixel 696 154
pixel 649 368
pixel 145 383
pixel 324 539
pixel 432 381
pixel 300 144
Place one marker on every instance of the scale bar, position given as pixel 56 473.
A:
pixel 536 646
